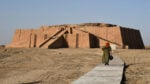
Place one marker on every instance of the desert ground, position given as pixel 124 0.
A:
pixel 62 66
pixel 137 69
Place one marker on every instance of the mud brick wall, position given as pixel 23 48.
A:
pixel 75 37
pixel 21 38
pixel 49 30
pixel 131 38
pixel 83 40
pixel 78 40
pixel 45 32
pixel 32 37
pixel 94 41
pixel 59 43
pixel 110 33
pixel 71 40
pixel 33 40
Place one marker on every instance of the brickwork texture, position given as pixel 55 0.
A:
pixel 86 35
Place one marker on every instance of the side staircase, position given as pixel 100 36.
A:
pixel 49 41
pixel 96 36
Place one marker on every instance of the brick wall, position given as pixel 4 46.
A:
pixel 131 38
pixel 78 39
pixel 75 38
pixel 112 34
pixel 21 38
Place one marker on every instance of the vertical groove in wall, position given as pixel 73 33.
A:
pixel 30 40
pixel 35 38
pixel 77 40
pixel 19 34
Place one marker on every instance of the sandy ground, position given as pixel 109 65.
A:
pixel 46 66
pixel 137 70
pixel 62 66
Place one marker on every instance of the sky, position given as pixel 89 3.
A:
pixel 31 14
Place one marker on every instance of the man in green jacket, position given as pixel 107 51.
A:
pixel 106 53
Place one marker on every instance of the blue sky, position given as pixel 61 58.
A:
pixel 16 14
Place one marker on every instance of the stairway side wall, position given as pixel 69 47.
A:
pixel 78 39
pixel 110 33
pixel 28 38
pixel 59 43
pixel 45 32
pixel 132 38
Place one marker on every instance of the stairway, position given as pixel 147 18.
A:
pixel 46 43
pixel 97 36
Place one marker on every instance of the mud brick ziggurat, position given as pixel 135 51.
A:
pixel 86 35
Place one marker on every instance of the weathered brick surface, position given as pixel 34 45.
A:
pixel 21 38
pixel 83 40
pixel 110 33
pixel 131 38
pixel 71 40
pixel 89 35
